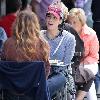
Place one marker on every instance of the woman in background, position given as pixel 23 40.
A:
pixel 13 8
pixel 77 19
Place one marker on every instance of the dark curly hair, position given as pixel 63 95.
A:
pixel 13 5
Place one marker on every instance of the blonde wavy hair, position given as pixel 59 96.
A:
pixel 26 31
pixel 78 13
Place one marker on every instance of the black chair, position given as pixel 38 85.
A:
pixel 23 81
pixel 1 43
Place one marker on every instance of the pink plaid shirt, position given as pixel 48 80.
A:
pixel 91 45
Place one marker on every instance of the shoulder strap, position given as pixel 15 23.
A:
pixel 58 45
pixel 44 32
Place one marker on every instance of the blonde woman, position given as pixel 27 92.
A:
pixel 26 43
pixel 77 19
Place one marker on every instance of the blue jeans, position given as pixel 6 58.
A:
pixel 55 83
pixel 97 81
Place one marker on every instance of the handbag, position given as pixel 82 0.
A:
pixel 82 75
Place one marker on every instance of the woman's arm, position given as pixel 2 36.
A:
pixel 93 55
pixel 70 49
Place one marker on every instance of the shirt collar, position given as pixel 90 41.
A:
pixel 85 30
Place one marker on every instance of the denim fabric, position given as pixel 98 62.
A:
pixel 55 83
pixel 3 35
pixel 97 81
